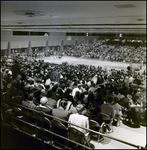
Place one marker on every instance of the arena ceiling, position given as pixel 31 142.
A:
pixel 74 16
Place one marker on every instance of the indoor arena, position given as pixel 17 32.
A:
pixel 73 75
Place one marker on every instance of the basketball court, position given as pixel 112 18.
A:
pixel 86 61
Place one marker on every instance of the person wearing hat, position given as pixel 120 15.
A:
pixel 79 119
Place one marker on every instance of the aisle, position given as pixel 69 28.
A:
pixel 135 136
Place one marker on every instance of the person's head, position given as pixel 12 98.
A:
pixel 110 100
pixel 43 100
pixel 15 61
pixel 68 91
pixel 49 94
pixel 92 105
pixel 90 96
pixel 63 104
pixel 79 86
pixel 47 86
pixel 37 95
pixel 54 88
pixel 116 100
pixel 77 95
pixel 13 82
pixel 80 108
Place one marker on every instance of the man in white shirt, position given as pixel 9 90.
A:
pixel 79 119
pixel 76 89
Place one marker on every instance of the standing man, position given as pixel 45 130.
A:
pixel 15 69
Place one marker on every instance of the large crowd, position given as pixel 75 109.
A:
pixel 40 85
pixel 121 51
pixel 77 93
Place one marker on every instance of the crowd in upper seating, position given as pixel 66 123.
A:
pixel 109 50
pixel 40 85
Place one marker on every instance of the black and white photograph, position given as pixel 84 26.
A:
pixel 73 75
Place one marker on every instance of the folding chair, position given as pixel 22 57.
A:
pixel 107 122
pixel 93 125
pixel 59 128
pixel 45 124
pixel 30 118
pixel 77 136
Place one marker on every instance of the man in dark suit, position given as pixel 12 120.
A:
pixel 15 69
pixel 107 108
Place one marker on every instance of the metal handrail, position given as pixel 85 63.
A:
pixel 44 114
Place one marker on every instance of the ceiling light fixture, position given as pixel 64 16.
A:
pixel 29 13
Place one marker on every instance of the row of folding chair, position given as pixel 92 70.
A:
pixel 45 124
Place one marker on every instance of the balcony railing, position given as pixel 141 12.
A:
pixel 38 130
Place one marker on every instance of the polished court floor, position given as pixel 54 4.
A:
pixel 86 61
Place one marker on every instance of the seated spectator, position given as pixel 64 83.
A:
pixel 55 95
pixel 55 76
pixel 99 97
pixel 68 106
pixel 77 97
pixel 93 112
pixel 108 109
pixel 51 102
pixel 76 89
pixel 43 106
pixel 118 111
pixel 135 115
pixel 68 95
pixel 14 90
pixel 79 119
pixel 60 112
pixel 29 103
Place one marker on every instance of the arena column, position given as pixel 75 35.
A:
pixel 29 51
pixel 58 49
pixel 20 50
pixel 8 51
pixel 76 43
pixel 46 47
pixel 62 47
